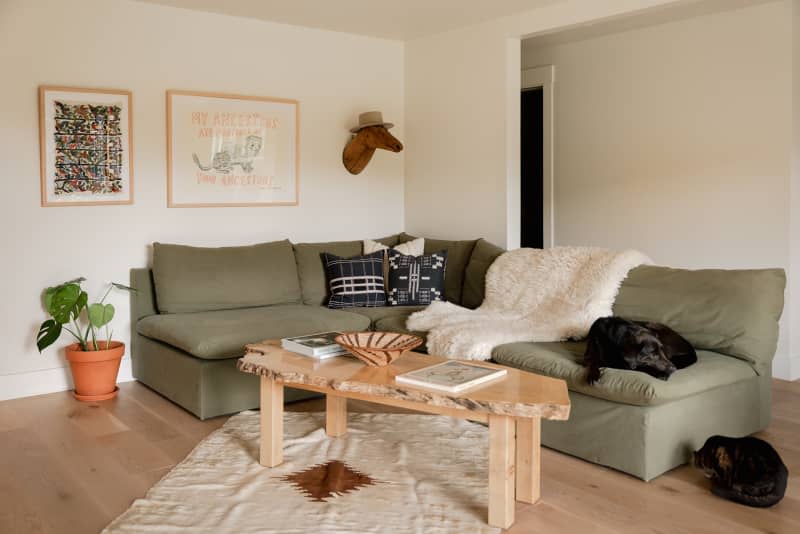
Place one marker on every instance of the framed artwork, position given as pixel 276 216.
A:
pixel 229 150
pixel 85 144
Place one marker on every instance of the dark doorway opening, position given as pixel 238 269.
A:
pixel 531 163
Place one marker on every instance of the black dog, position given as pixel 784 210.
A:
pixel 652 348
pixel 744 470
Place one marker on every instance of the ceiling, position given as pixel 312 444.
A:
pixel 396 19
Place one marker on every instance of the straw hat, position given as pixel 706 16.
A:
pixel 370 118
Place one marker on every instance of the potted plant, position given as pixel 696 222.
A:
pixel 94 359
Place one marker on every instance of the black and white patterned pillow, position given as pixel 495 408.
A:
pixel 416 280
pixel 356 281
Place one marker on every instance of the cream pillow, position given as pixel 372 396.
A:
pixel 415 247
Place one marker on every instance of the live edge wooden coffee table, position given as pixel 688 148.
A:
pixel 513 407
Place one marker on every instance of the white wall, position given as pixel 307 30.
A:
pixel 462 101
pixel 148 49
pixel 675 139
pixel 691 116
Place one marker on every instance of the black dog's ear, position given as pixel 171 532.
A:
pixel 593 358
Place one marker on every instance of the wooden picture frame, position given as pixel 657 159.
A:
pixel 227 150
pixel 85 146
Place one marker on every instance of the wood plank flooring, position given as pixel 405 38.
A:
pixel 70 467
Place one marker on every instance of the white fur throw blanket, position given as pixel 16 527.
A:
pixel 531 295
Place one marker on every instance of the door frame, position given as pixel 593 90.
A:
pixel 545 77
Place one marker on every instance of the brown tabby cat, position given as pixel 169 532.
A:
pixel 744 470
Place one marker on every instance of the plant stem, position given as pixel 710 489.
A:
pixel 110 287
pixel 81 340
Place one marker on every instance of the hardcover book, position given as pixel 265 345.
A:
pixel 320 345
pixel 452 376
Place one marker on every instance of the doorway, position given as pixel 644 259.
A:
pixel 536 158
pixel 531 168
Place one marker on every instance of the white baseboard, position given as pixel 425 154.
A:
pixel 48 381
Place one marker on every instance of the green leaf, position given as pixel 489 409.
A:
pixel 100 314
pixel 124 287
pixel 48 333
pixel 65 302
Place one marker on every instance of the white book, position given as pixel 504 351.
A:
pixel 452 376
pixel 320 345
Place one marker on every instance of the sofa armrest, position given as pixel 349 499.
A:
pixel 143 301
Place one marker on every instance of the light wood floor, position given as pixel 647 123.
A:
pixel 71 467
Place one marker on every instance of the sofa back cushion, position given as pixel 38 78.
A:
pixel 458 254
pixel 734 312
pixel 311 270
pixel 483 255
pixel 194 279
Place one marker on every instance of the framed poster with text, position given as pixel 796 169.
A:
pixel 229 150
pixel 85 146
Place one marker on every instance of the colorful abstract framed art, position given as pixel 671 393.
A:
pixel 86 147
pixel 231 150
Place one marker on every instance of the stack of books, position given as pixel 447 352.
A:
pixel 320 346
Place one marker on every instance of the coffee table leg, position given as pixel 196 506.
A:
pixel 335 415
pixel 271 453
pixel 501 470
pixel 529 456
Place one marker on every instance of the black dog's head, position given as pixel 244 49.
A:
pixel 643 351
pixel 622 344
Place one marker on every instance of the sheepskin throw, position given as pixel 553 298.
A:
pixel 531 295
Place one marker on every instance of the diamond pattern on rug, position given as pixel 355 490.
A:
pixel 323 481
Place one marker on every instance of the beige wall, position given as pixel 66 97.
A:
pixel 147 49
pixel 721 156
pixel 675 139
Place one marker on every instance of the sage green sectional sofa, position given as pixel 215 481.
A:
pixel 197 308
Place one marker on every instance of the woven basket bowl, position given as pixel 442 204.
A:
pixel 378 348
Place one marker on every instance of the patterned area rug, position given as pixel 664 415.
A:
pixel 390 473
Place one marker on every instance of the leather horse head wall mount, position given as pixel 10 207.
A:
pixel 370 134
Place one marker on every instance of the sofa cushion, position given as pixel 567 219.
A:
pixel 193 279
pixel 563 360
pixel 734 312
pixel 355 282
pixel 376 314
pixel 482 257
pixel 312 271
pixel 458 254
pixel 223 334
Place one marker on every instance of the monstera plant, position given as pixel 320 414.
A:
pixel 94 358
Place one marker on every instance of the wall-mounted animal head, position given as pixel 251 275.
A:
pixel 371 133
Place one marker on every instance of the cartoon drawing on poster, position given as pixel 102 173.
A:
pixel 226 150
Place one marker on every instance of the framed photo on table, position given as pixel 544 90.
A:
pixel 231 150
pixel 85 145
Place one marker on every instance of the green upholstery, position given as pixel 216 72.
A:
pixel 483 255
pixel 143 300
pixel 389 241
pixel 563 360
pixel 647 441
pixel 311 271
pixel 378 313
pixel 193 279
pixel 223 334
pixel 458 255
pixel 734 312
pixel 206 388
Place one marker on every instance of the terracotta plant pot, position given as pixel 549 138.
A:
pixel 95 372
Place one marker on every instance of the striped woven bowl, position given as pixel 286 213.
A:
pixel 378 348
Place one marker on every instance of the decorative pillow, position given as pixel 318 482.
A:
pixel 411 248
pixel 416 280
pixel 356 281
